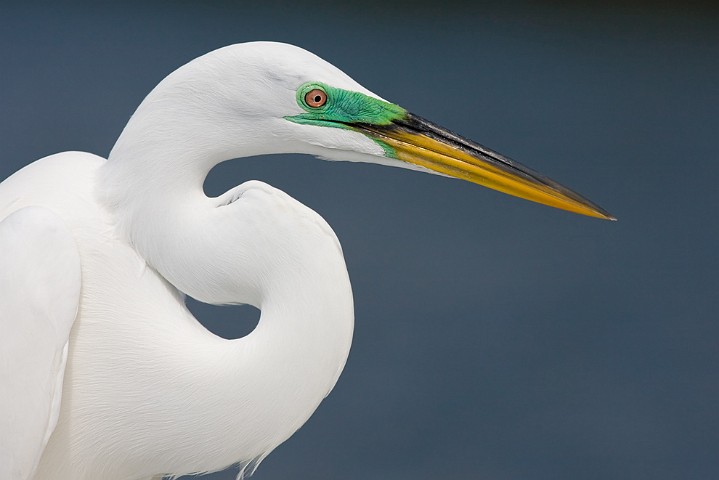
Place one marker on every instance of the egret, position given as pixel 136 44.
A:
pixel 105 372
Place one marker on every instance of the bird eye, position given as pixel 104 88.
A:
pixel 315 98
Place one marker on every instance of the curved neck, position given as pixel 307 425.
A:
pixel 253 245
pixel 263 387
pixel 256 391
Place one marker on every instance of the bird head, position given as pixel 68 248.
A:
pixel 306 105
pixel 263 98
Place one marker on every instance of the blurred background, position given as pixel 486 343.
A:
pixel 495 338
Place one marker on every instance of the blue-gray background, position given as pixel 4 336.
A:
pixel 495 339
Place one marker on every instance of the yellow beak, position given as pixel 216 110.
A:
pixel 422 143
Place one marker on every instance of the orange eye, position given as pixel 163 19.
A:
pixel 315 98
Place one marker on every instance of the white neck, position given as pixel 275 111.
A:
pixel 255 391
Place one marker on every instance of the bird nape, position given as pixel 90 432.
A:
pixel 106 373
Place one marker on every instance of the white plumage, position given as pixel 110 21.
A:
pixel 147 389
pixel 96 256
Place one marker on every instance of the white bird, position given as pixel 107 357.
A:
pixel 105 373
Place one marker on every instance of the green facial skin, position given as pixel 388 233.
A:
pixel 345 108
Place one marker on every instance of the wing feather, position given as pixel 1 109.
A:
pixel 39 298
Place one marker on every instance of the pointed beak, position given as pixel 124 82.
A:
pixel 417 141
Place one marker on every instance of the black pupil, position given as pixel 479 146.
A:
pixel 318 98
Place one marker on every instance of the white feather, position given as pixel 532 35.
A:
pixel 148 391
pixel 40 285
